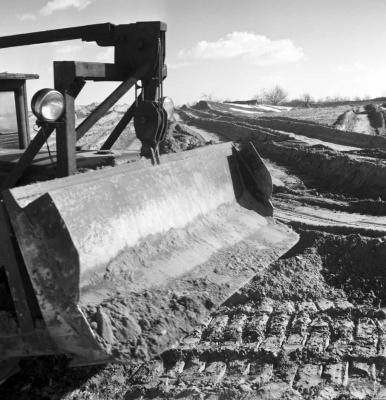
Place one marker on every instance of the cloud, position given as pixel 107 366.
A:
pixel 26 17
pixel 57 5
pixel 252 48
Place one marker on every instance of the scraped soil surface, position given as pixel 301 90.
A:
pixel 311 325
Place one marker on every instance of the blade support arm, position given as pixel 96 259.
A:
pixel 86 33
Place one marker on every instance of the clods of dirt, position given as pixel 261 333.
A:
pixel 300 330
pixel 332 266
pixel 178 139
pixel 311 325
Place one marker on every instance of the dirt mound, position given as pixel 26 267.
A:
pixel 318 165
pixel 99 132
pixel 376 116
pixel 346 121
pixel 201 105
pixel 237 109
pixel 179 139
pixel 369 119
pixel 325 265
pixel 305 128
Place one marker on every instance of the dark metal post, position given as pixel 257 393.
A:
pixel 66 139
pixel 25 108
pixel 64 76
pixel 22 115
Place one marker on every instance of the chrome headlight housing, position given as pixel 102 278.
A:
pixel 47 105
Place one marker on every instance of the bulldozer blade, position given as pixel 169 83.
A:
pixel 126 261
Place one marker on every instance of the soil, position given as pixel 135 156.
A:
pixel 179 138
pixel 368 119
pixel 320 166
pixel 139 318
pixel 306 326
pixel 311 325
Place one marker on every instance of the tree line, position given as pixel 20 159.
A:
pixel 277 95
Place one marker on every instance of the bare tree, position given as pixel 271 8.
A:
pixel 207 96
pixel 275 96
pixel 340 99
pixel 259 97
pixel 211 97
pixel 307 99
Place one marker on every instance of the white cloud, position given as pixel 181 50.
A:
pixel 253 48
pixel 26 17
pixel 57 5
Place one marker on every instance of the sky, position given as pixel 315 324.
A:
pixel 225 49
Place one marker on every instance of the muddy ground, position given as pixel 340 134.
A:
pixel 312 325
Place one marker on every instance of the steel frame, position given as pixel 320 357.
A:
pixel 137 58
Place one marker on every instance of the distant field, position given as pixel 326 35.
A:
pixel 320 115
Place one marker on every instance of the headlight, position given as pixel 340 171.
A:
pixel 47 105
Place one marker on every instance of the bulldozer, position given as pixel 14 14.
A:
pixel 120 263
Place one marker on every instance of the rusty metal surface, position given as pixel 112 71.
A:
pixel 86 33
pixel 15 76
pixel 114 234
pixel 21 103
pixel 22 332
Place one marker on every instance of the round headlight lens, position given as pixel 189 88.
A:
pixel 47 105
